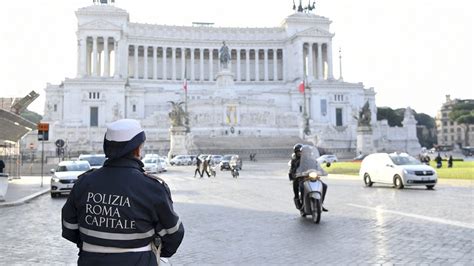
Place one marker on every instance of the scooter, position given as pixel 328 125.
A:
pixel 312 197
pixel 311 187
pixel 234 170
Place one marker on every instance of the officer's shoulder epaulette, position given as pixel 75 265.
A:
pixel 155 178
pixel 86 172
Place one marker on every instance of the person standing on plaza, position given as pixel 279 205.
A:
pixel 439 161
pixel 2 166
pixel 118 214
pixel 450 161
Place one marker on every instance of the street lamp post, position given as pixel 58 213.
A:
pixel 306 130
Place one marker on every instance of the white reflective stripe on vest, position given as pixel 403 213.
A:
pixel 101 249
pixel 116 236
pixel 70 226
pixel 171 230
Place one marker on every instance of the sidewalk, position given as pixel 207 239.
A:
pixel 24 189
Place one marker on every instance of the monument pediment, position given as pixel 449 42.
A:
pixel 100 24
pixel 314 32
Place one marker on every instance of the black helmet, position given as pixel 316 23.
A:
pixel 297 147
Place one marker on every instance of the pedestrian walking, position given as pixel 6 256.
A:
pixel 118 214
pixel 198 166
pixel 205 166
pixel 450 161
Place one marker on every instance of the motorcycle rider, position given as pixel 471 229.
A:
pixel 294 164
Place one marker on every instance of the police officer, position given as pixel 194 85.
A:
pixel 116 213
pixel 294 164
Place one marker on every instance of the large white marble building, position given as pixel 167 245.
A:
pixel 133 70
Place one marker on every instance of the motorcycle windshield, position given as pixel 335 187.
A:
pixel 309 163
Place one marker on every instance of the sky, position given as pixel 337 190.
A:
pixel 413 52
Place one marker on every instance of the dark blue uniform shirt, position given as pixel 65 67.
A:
pixel 120 206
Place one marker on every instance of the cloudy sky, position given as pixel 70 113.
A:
pixel 413 52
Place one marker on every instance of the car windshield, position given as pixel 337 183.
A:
pixel 404 160
pixel 149 160
pixel 227 157
pixel 73 167
pixel 94 160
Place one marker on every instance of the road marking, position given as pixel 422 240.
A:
pixel 431 219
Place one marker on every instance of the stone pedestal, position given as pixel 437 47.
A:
pixel 225 79
pixel 365 140
pixel 178 140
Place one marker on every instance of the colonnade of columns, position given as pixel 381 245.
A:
pixel 317 58
pixel 202 64
pixel 97 56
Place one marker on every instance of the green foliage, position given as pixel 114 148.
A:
pixel 31 116
pixel 463 112
pixel 393 117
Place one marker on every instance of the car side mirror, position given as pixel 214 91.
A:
pixel 52 171
pixel 328 164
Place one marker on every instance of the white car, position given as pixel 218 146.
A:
pixel 152 164
pixel 399 169
pixel 181 160
pixel 65 175
pixel 327 158
pixel 164 164
pixel 95 160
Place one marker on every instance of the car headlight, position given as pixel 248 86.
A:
pixel 54 179
pixel 408 172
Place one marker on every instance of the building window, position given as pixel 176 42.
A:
pixel 94 117
pixel 445 130
pixel 445 123
pixel 94 95
pixel 458 129
pixel 324 107
pixel 445 138
pixel 452 137
pixel 445 115
pixel 338 97
pixel 338 117
pixel 55 107
pixel 134 108
pixel 451 123
pixel 452 130
pixel 301 109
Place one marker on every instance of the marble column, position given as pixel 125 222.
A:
pixel 192 63
pixel 165 69
pixel 275 67
pixel 135 68
pixel 284 64
pixel 238 65
pixel 211 64
pixel 183 63
pixel 173 63
pixel 155 63
pixel 320 61
pixel 83 57
pixel 117 58
pixel 106 57
pixel 201 64
pixel 247 64
pixel 145 62
pixel 265 64
pixel 310 60
pixel 329 57
pixel 257 67
pixel 94 56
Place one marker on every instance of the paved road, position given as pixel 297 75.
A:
pixel 252 221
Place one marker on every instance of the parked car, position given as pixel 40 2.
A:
pixel 65 175
pixel 181 160
pixel 224 164
pixel 216 159
pixel 95 160
pixel 327 159
pixel 399 169
pixel 359 158
pixel 152 164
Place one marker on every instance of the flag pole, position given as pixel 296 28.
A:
pixel 186 96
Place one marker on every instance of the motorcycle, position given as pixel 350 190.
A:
pixel 234 170
pixel 311 187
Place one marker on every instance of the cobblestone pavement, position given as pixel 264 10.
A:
pixel 252 221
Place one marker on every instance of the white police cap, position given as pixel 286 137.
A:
pixel 122 137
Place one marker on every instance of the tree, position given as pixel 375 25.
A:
pixel 462 113
pixel 393 118
pixel 31 116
